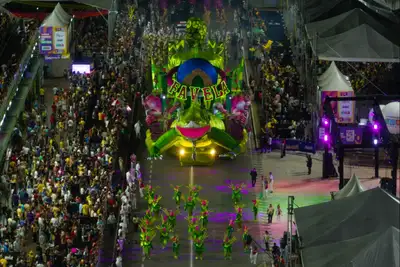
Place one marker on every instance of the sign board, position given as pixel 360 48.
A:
pixel 209 93
pixel 343 110
pixel 53 42
pixel 351 135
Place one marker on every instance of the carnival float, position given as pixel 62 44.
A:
pixel 197 109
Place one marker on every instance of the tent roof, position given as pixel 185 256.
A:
pixel 350 20
pixel 352 188
pixel 369 211
pixel 103 4
pixel 57 18
pixel 373 249
pixel 333 80
pixel 362 44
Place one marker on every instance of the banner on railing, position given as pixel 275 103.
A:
pixel 54 42
pixel 295 145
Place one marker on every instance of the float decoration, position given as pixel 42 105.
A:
pixel 196 109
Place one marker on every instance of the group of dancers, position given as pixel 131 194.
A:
pixel 197 223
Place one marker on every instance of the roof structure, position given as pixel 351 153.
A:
pixel 102 4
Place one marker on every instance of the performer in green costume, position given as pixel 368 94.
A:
pixel 255 208
pixel 192 223
pixel 198 232
pixel 236 192
pixel 190 204
pixel 149 193
pixel 175 246
pixel 199 247
pixel 177 195
pixel 239 217
pixel 148 245
pixel 230 229
pixel 164 236
pixel 204 218
pixel 171 217
pixel 155 205
pixel 148 216
pixel 194 191
pixel 204 205
pixel 227 244
pixel 245 238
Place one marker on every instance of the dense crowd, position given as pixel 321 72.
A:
pixel 15 43
pixel 91 36
pixel 66 177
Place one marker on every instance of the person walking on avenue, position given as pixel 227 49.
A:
pixel 267 238
pixel 253 175
pixel 271 182
pixel 270 213
pixel 309 164
pixel 253 255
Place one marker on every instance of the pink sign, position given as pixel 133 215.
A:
pixel 343 110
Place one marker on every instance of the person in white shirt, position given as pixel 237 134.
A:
pixel 118 261
pixel 271 183
pixel 253 255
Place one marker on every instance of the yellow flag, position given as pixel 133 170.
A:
pixel 268 45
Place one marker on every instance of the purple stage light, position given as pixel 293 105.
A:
pixel 375 141
pixel 326 122
pixel 376 127
pixel 326 138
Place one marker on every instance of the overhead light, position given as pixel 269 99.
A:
pixel 213 152
pixel 182 152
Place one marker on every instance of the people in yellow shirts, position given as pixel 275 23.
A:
pixel 41 92
pixel 3 262
pixel 85 209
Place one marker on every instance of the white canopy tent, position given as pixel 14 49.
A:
pixel 333 74
pixel 57 18
pixel 379 248
pixel 347 218
pixel 352 188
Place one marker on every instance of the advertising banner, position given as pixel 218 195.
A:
pixel 53 41
pixel 295 145
pixel 343 110
pixel 351 135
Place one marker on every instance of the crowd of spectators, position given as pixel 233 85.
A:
pixel 91 36
pixel 66 176
pixel 16 35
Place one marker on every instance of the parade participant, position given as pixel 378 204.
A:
pixel 171 215
pixel 204 218
pixel 148 216
pixel 230 228
pixel 204 205
pixel 155 205
pixel 194 191
pixel 236 192
pixel 190 204
pixel 245 238
pixel 141 188
pixel 199 247
pixel 239 217
pixel 227 244
pixel 193 222
pixel 175 246
pixel 148 245
pixel 255 208
pixel 198 232
pixel 177 195
pixel 164 236
pixel 149 190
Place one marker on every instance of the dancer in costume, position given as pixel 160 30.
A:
pixel 192 223
pixel 237 192
pixel 194 191
pixel 149 192
pixel 145 230
pixel 148 245
pixel 230 228
pixel 198 232
pixel 175 246
pixel 255 208
pixel 171 215
pixel 155 205
pixel 148 216
pixel 204 205
pixel 227 244
pixel 164 235
pixel 177 195
pixel 199 247
pixel 204 218
pixel 239 217
pixel 245 238
pixel 190 204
